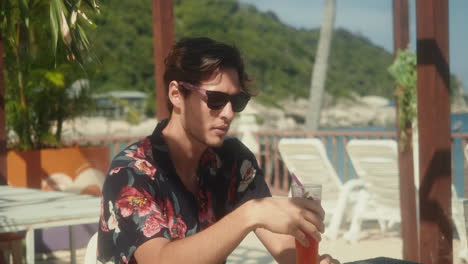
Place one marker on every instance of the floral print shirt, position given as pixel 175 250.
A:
pixel 143 198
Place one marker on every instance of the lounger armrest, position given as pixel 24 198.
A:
pixel 352 184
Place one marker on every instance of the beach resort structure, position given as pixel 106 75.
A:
pixel 425 233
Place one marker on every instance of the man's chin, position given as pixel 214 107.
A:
pixel 215 142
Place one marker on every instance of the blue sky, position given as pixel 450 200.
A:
pixel 373 19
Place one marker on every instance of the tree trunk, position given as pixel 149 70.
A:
pixel 319 74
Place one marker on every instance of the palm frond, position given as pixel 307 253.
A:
pixel 92 4
pixel 54 24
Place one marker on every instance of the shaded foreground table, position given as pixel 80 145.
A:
pixel 381 260
pixel 24 209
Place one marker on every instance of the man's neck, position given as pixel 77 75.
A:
pixel 184 151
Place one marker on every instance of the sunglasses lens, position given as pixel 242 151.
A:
pixel 239 101
pixel 216 100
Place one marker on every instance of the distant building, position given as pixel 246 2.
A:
pixel 77 87
pixel 117 104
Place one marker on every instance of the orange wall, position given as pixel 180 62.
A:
pixel 28 168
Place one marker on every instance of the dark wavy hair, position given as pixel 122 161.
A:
pixel 194 60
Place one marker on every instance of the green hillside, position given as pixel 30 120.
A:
pixel 279 57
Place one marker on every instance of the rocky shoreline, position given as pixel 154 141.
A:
pixel 365 111
pixel 356 112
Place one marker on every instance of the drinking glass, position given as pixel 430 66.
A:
pixel 307 255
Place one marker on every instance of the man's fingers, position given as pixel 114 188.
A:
pixel 315 220
pixel 313 206
pixel 310 229
pixel 301 237
pixel 327 259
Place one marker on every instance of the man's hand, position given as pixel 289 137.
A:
pixel 327 259
pixel 291 216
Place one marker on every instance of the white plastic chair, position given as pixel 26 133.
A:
pixel 461 215
pixel 460 219
pixel 307 159
pixel 90 254
pixel 376 164
pixel 464 247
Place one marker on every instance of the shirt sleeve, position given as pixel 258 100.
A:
pixel 247 178
pixel 131 214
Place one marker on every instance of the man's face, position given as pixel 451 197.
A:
pixel 202 124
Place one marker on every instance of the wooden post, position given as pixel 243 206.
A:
pixel 3 136
pixel 409 228
pixel 163 35
pixel 434 132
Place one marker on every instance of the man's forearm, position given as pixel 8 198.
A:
pixel 212 245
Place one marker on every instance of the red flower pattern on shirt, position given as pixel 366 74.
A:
pixel 131 200
pixel 142 151
pixel 145 167
pixel 115 170
pixel 176 225
pixel 140 155
pixel 211 160
pixel 154 224
pixel 205 212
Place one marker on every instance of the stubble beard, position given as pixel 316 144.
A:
pixel 204 139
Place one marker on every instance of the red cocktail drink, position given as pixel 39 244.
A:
pixel 307 255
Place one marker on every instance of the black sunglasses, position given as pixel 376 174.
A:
pixel 216 100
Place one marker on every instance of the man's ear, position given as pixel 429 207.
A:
pixel 175 96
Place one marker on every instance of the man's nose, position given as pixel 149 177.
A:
pixel 227 112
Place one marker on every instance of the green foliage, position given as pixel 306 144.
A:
pixel 50 102
pixel 404 71
pixel 150 103
pixel 456 88
pixel 45 52
pixel 358 66
pixel 279 58
pixel 123 43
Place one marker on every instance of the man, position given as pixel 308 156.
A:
pixel 186 194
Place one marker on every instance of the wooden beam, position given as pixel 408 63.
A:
pixel 163 35
pixel 409 228
pixel 400 25
pixel 3 136
pixel 434 132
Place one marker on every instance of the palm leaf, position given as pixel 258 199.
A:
pixel 54 24
pixel 92 4
pixel 24 8
pixel 83 38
